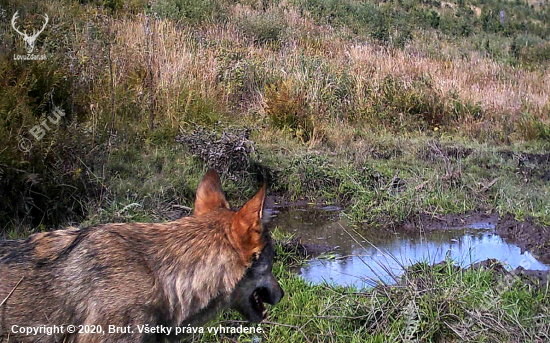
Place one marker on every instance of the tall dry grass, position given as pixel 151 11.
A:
pixel 338 76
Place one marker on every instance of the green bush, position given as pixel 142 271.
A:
pixel 243 78
pixel 531 127
pixel 266 28
pixel 287 109
pixel 398 105
pixel 194 11
pixel 536 54
pixel 195 109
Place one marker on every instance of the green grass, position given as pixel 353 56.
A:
pixel 390 178
pixel 416 175
pixel 380 180
pixel 151 183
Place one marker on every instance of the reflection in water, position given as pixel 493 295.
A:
pixel 372 256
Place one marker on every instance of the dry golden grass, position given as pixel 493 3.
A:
pixel 185 59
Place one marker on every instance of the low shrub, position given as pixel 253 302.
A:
pixel 288 110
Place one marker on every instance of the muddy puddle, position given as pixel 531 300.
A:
pixel 363 257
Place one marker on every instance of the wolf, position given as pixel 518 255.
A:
pixel 109 279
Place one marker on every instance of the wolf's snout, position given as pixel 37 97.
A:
pixel 276 292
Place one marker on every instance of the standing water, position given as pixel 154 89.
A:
pixel 363 257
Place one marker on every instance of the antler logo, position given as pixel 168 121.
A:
pixel 29 40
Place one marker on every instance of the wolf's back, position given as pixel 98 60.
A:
pixel 70 277
pixel 8 246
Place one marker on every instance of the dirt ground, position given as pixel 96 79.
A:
pixel 426 223
pixel 526 235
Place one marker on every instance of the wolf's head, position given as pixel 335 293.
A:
pixel 253 243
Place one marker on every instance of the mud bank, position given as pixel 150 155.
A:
pixel 427 223
pixel 304 250
pixel 527 235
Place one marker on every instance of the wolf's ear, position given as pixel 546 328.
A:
pixel 247 225
pixel 209 194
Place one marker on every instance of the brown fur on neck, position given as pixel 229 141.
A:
pixel 192 248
